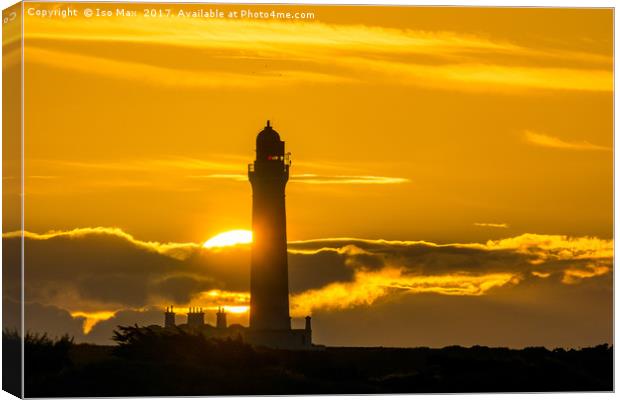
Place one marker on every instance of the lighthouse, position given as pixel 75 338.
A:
pixel 270 321
pixel 268 175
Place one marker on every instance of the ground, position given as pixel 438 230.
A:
pixel 150 364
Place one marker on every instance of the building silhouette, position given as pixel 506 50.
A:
pixel 270 321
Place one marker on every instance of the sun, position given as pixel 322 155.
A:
pixel 230 238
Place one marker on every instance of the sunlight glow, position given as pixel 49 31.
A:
pixel 237 309
pixel 230 238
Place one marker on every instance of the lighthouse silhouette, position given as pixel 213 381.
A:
pixel 270 322
pixel 269 304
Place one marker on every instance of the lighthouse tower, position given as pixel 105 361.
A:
pixel 269 307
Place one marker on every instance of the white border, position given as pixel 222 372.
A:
pixel 484 3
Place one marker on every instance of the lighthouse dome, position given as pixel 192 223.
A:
pixel 268 134
pixel 269 147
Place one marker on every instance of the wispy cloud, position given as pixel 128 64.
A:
pixel 538 247
pixel 231 177
pixel 368 287
pixel 523 240
pixel 576 275
pixel 174 250
pixel 544 140
pixel 171 172
pixel 313 179
pixel 347 179
pixel 142 165
pixel 172 77
pixel 42 177
pixel 490 225
pixel 339 53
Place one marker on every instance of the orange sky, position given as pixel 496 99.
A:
pixel 444 125
pixel 478 121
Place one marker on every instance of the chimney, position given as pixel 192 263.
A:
pixel 169 317
pixel 221 318
pixel 195 317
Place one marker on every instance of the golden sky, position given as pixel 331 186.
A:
pixel 473 127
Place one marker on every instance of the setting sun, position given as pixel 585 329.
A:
pixel 230 238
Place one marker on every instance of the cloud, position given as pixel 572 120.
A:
pixel 481 77
pixel 92 318
pixel 542 248
pixel 105 269
pixel 347 179
pixel 537 247
pixel 102 331
pixel 89 275
pixel 177 173
pixel 535 312
pixel 42 177
pixel 449 269
pixel 170 77
pixel 145 165
pixel 314 179
pixel 175 250
pixel 490 225
pixel 544 140
pixel 55 321
pixel 369 286
pixel 232 177
pixel 180 288
pixel 204 34
pixel 254 54
pixel 316 269
pixel 576 275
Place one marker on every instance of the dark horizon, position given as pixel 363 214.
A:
pixel 230 367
